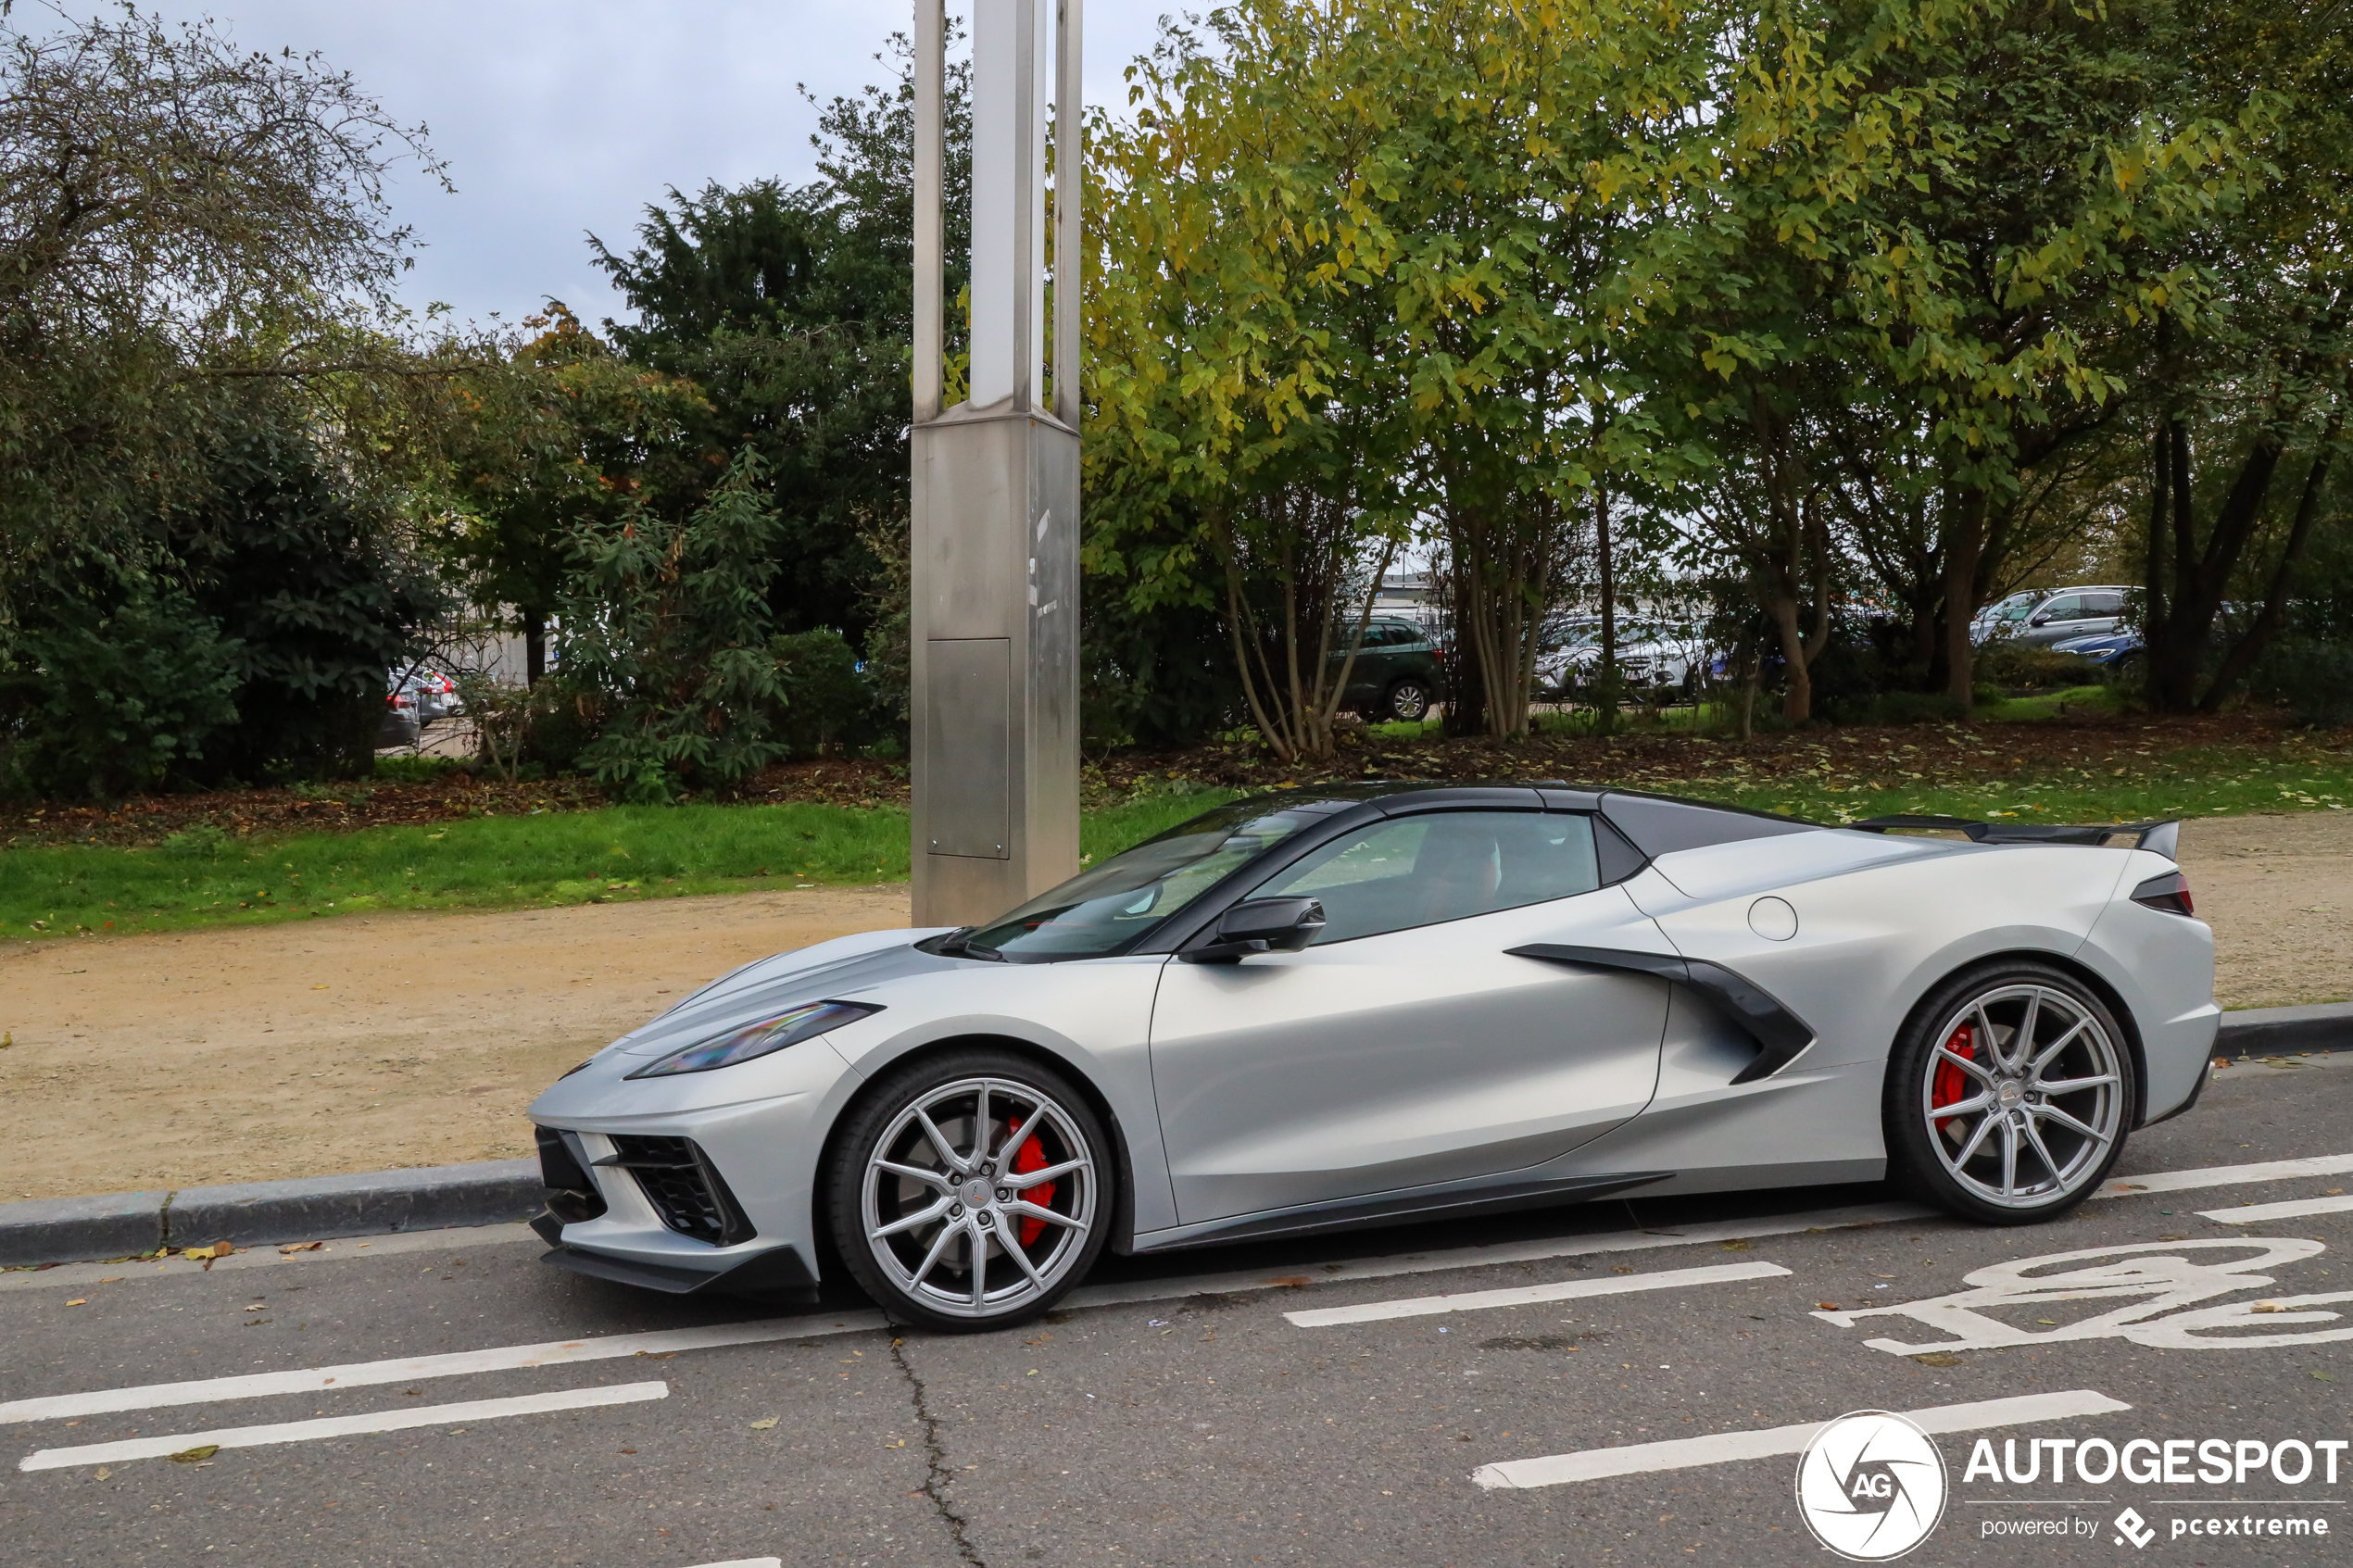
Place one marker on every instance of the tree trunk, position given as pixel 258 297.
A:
pixel 1605 686
pixel 2258 636
pixel 1964 544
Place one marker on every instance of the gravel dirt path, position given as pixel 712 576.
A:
pixel 363 1043
pixel 369 1043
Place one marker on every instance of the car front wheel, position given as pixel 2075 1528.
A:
pixel 971 1191
pixel 1409 702
pixel 2009 1095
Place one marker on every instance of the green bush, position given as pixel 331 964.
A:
pixel 2014 668
pixel 1905 708
pixel 2313 679
pixel 416 769
pixel 829 703
pixel 664 638
pixel 100 700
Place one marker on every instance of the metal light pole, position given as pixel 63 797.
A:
pixel 994 537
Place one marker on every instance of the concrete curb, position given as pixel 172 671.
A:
pixel 2270 1031
pixel 72 1230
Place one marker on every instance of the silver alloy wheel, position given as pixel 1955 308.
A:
pixel 2024 1096
pixel 978 1196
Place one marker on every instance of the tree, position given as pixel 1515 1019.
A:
pixel 792 309
pixel 1955 213
pixel 557 438
pixel 176 215
pixel 2242 408
pixel 666 630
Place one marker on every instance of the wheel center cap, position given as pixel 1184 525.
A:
pixel 2009 1093
pixel 978 1193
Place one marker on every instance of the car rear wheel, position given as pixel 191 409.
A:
pixel 1408 701
pixel 2009 1095
pixel 970 1191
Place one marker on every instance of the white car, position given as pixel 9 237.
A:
pixel 1652 656
pixel 1346 1007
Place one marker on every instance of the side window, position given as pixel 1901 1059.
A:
pixel 2067 608
pixel 2103 604
pixel 1445 865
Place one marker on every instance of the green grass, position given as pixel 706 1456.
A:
pixel 202 879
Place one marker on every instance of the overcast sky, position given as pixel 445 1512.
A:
pixel 562 117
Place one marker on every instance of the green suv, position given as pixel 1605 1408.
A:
pixel 1399 672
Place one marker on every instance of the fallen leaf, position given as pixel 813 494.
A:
pixel 764 1425
pixel 190 1456
pixel 1621 1268
pixel 2267 1307
pixel 300 1247
pixel 1735 1245
pixel 900 1444
pixel 79 1301
pixel 1938 1358
pixel 1827 1306
pixel 2323 1376
pixel 103 1472
pixel 2047 1323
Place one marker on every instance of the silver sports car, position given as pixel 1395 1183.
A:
pixel 1346 1007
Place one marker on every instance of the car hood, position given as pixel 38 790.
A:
pixel 844 968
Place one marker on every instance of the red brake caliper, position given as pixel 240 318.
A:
pixel 1952 1084
pixel 1028 1158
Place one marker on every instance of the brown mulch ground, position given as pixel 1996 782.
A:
pixel 1981 750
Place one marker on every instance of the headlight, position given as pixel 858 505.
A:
pixel 758 1039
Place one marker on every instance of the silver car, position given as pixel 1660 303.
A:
pixel 1321 1010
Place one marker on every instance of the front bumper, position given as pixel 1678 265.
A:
pixel 674 1180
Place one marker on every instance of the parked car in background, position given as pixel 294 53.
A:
pixel 400 725
pixel 2116 649
pixel 2004 615
pixel 1653 656
pixel 433 693
pixel 1399 674
pixel 2069 612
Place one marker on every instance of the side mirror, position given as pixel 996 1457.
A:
pixel 1260 925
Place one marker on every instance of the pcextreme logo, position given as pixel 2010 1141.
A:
pixel 1871 1486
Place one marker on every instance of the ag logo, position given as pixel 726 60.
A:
pixel 1871 1486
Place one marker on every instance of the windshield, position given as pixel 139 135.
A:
pixel 1108 910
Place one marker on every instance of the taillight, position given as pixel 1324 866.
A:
pixel 2169 893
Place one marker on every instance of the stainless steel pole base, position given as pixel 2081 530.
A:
pixel 995 633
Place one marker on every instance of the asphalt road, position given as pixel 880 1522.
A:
pixel 1178 1413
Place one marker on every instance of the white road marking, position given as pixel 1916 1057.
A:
pixel 1697 1235
pixel 562 1352
pixel 748 1563
pixel 1523 1295
pixel 2227 1175
pixel 342 1425
pixel 1723 1447
pixel 2255 1213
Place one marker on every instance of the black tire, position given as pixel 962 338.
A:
pixel 1408 700
pixel 1980 1172
pixel 923 1270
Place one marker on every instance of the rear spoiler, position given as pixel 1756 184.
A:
pixel 2161 838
